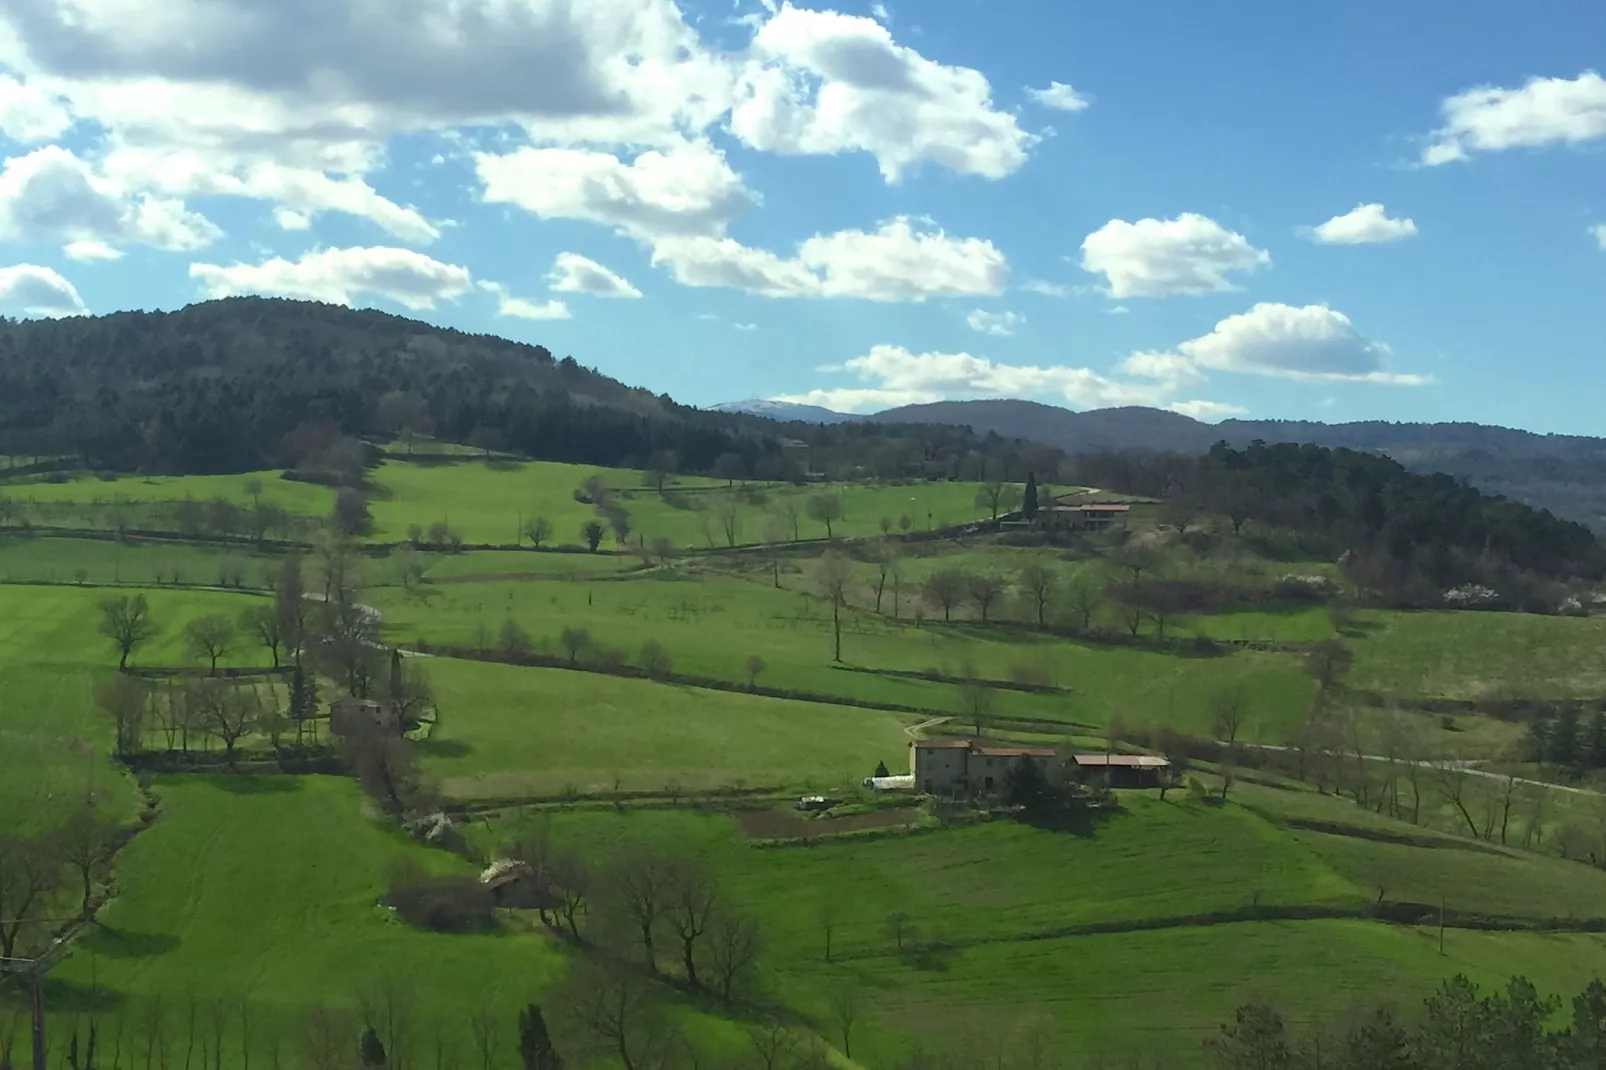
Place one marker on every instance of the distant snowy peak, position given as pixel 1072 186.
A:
pixel 784 410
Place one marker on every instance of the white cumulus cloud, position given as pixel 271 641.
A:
pixel 896 376
pixel 1599 231
pixel 1191 254
pixel 821 82
pixel 33 291
pixel 686 189
pixel 899 261
pixel 90 250
pixel 1060 97
pixel 51 196
pixel 1311 342
pixel 1542 111
pixel 28 114
pixel 1365 224
pixel 521 308
pixel 573 273
pixel 338 275
pixel 1001 324
pixel 1208 411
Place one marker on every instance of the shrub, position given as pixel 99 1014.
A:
pixel 443 904
pixel 655 659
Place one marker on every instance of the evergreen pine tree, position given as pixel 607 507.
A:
pixel 535 1045
pixel 369 1050
pixel 1595 751
pixel 1029 503
pixel 1563 749
pixel 881 769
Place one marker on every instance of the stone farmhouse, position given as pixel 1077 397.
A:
pixel 963 766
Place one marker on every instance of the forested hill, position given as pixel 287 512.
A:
pixel 1563 473
pixel 220 386
pixel 247 383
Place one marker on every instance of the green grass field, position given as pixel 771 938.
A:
pixel 52 560
pixel 304 498
pixel 999 892
pixel 487 502
pixel 53 741
pixel 710 625
pixel 264 888
pixel 1481 655
pixel 507 730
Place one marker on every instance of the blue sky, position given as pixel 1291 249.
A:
pixel 1320 210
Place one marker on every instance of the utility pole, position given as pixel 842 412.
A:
pixel 34 970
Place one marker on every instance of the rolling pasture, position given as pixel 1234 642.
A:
pixel 262 891
pixel 710 625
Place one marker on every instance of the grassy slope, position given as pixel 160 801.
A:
pixel 1481 655
pixel 484 502
pixel 52 740
pixel 987 887
pixel 511 730
pixel 52 560
pixel 306 498
pixel 711 626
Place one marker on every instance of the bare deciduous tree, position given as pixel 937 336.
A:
pixel 845 1014
pixel 538 529
pixel 575 641
pixel 640 887
pixel 86 843
pixel 122 699
pixel 826 509
pixel 1228 709
pixel 735 943
pixel 126 621
pixel 1038 582
pixel 754 665
pixel 210 637
pixel 944 588
pixel 30 869
pixel 985 590
pixel 826 915
pixel 976 699
pixel 226 713
pixel 832 576
pixel 261 623
pixel 614 1009
pixel 691 899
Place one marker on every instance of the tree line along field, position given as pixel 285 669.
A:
pixel 1076 932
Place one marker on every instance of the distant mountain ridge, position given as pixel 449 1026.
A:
pixel 1563 473
pixel 785 411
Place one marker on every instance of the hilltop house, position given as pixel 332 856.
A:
pixel 352 716
pixel 1089 516
pixel 953 766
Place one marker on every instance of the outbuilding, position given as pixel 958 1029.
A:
pixel 1123 770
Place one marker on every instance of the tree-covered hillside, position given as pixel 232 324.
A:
pixel 249 383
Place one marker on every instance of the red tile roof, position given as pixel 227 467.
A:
pixel 1016 752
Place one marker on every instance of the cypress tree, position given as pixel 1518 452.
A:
pixel 1595 754
pixel 369 1049
pixel 1029 503
pixel 1564 739
pixel 535 1045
